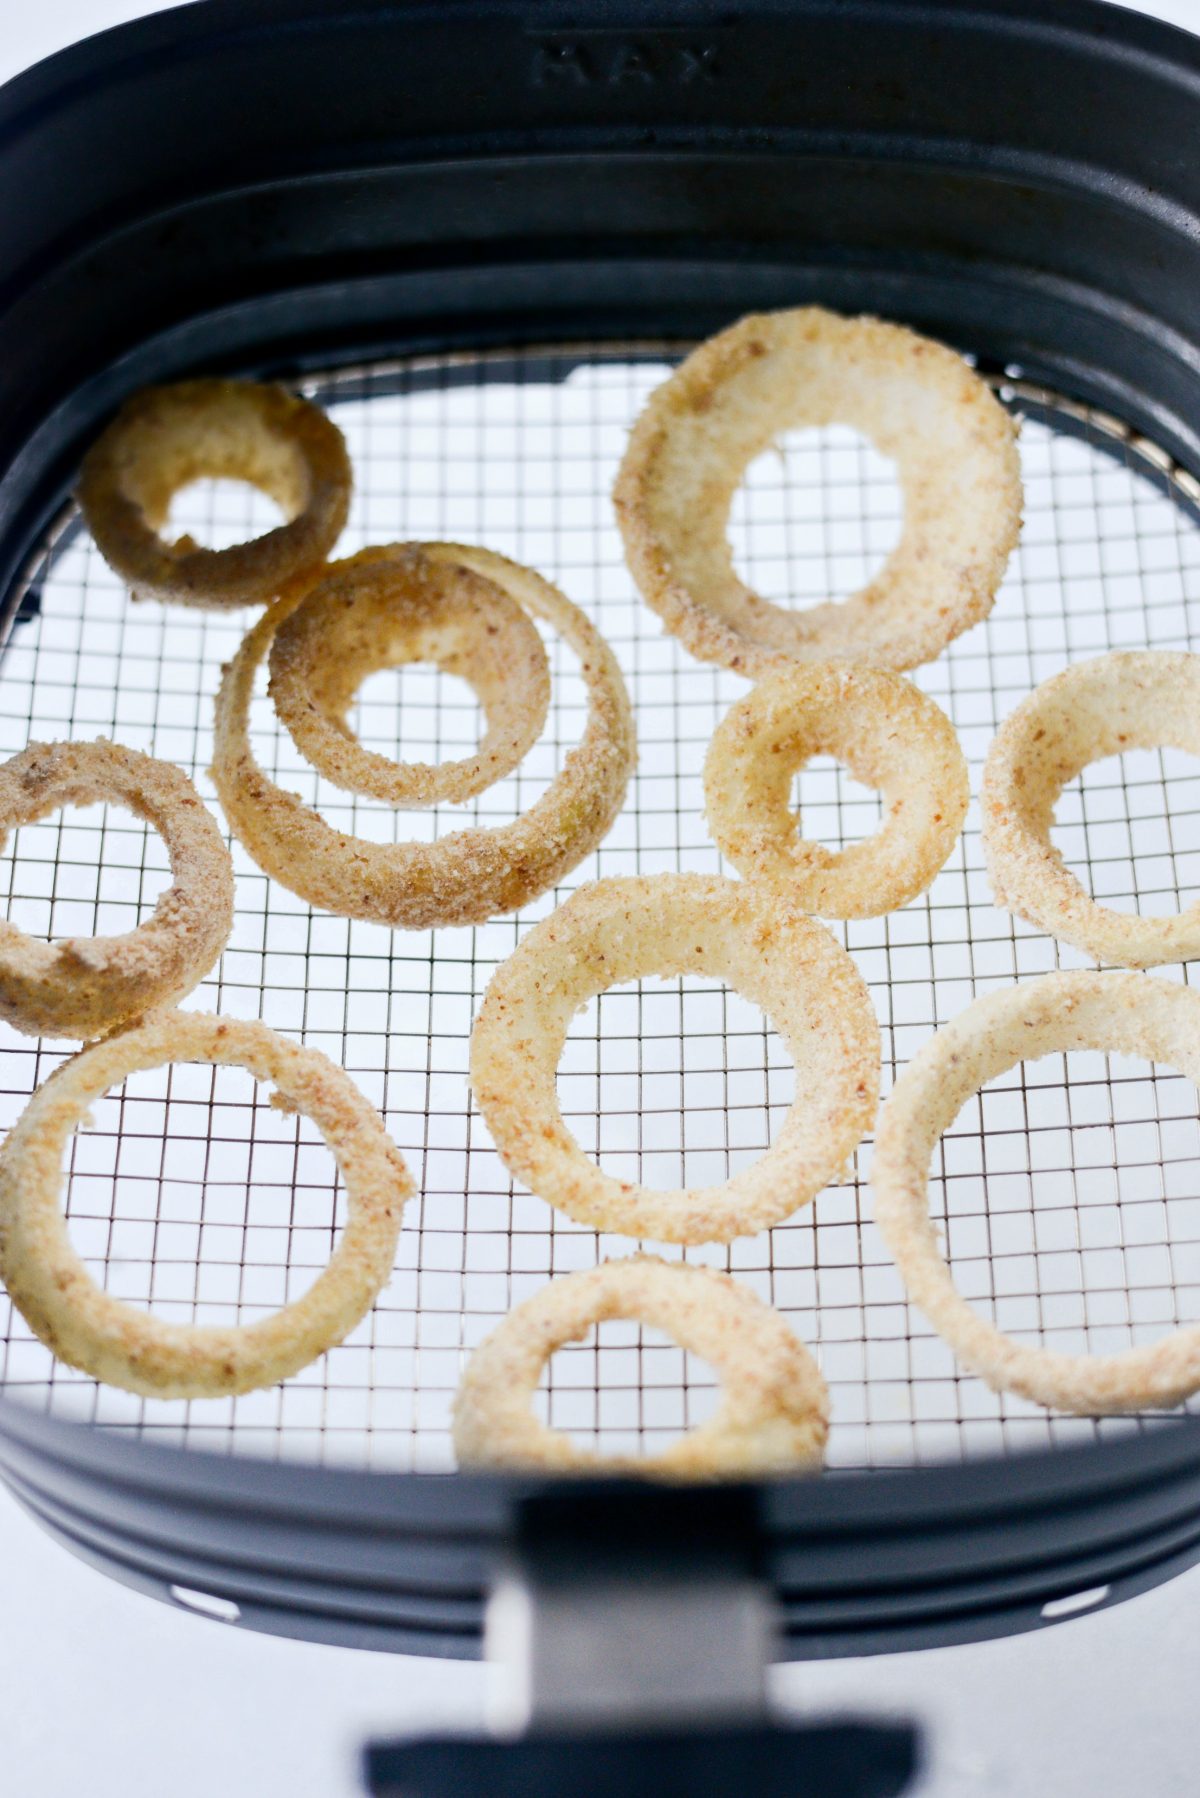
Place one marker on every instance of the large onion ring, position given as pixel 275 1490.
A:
pixel 954 447
pixel 165 437
pixel 86 986
pixel 669 924
pixel 889 735
pixel 408 608
pixel 471 875
pixel 1134 699
pixel 1127 1014
pixel 116 1342
pixel 774 1414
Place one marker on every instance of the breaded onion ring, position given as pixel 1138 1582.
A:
pixel 401 608
pixel 955 451
pixel 471 875
pixel 86 986
pixel 113 1341
pixel 670 924
pixel 1125 1014
pixel 1135 699
pixel 774 1413
pixel 889 735
pixel 165 437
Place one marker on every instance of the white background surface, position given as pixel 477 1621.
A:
pixel 106 1692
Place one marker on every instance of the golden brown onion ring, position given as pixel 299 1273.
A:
pixel 955 451
pixel 1135 699
pixel 86 986
pixel 671 924
pixel 165 437
pixel 471 875
pixel 889 735
pixel 774 1414
pixel 407 608
pixel 116 1342
pixel 1125 1014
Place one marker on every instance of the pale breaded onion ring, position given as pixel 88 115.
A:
pixel 955 451
pixel 1125 1014
pixel 404 607
pixel 1133 699
pixel 471 875
pixel 774 1412
pixel 86 986
pixel 114 1341
pixel 671 924
pixel 888 734
pixel 165 437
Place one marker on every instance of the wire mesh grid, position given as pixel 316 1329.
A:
pixel 1067 1193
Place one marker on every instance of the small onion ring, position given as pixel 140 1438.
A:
pixel 954 447
pixel 774 1414
pixel 113 1341
pixel 1126 1014
pixel 669 924
pixel 889 734
pixel 83 987
pixel 471 875
pixel 165 437
pixel 1133 699
pixel 407 608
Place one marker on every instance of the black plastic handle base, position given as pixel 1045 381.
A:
pixel 842 1759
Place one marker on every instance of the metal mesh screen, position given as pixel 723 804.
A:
pixel 189 1193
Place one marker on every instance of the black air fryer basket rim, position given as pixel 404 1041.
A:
pixel 327 183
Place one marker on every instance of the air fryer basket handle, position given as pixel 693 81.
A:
pixel 628 1637
pixel 841 1759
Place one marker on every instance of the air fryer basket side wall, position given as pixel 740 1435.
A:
pixel 262 186
pixel 1013 176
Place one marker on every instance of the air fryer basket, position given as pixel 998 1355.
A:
pixel 452 219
